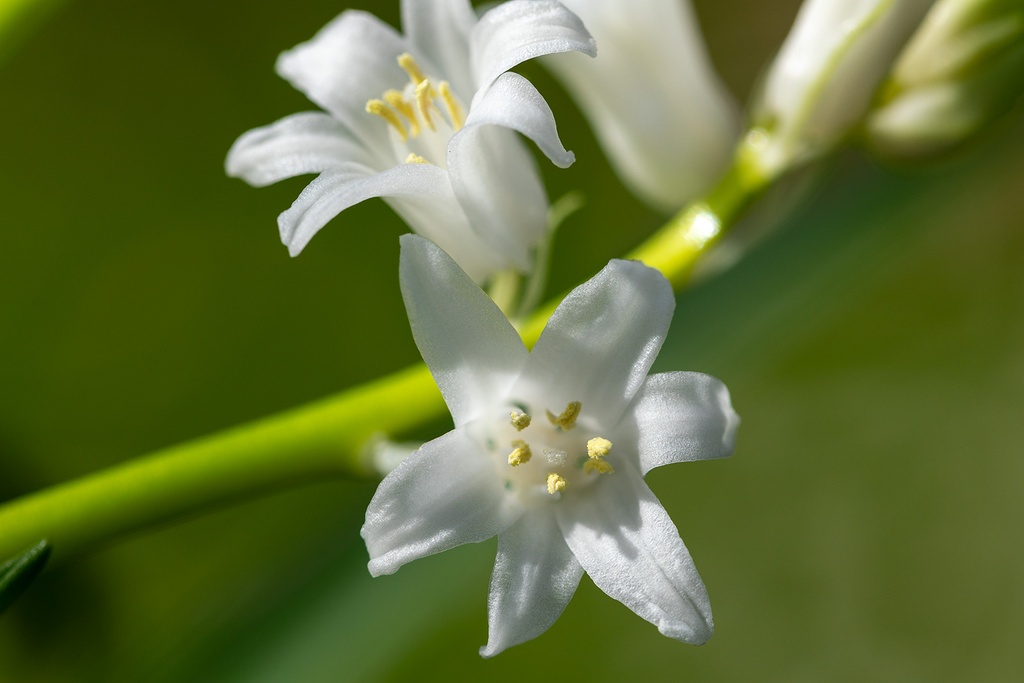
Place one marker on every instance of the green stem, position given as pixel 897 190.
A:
pixel 676 248
pixel 691 233
pixel 322 439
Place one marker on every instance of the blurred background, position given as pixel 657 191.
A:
pixel 867 528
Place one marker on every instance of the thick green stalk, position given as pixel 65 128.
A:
pixel 676 248
pixel 323 439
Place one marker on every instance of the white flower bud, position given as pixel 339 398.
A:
pixel 962 69
pixel 826 74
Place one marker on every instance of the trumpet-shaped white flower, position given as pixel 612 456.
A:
pixel 827 72
pixel 665 120
pixel 426 120
pixel 550 448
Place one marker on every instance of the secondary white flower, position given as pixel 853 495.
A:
pixel 427 121
pixel 827 72
pixel 657 106
pixel 550 448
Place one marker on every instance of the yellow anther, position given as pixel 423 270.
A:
pixel 399 104
pixel 381 109
pixel 556 483
pixel 519 420
pixel 414 158
pixel 424 101
pixel 521 453
pixel 598 447
pixel 598 465
pixel 406 61
pixel 567 420
pixel 451 104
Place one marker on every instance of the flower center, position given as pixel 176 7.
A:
pixel 421 117
pixel 549 458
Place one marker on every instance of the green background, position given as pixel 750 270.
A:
pixel 867 528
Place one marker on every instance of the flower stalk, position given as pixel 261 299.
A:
pixel 698 227
pixel 326 438
pixel 320 439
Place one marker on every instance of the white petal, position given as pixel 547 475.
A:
pixel 349 62
pixel 658 108
pixel 534 578
pixel 332 193
pixel 309 142
pixel 601 341
pixel 438 30
pixel 679 417
pixel 420 193
pixel 328 195
pixel 518 30
pixel 440 218
pixel 626 542
pixel 505 201
pixel 445 494
pixel 472 350
pixel 513 102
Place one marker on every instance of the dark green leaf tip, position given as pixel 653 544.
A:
pixel 18 572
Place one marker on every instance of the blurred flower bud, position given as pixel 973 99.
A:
pixel 962 69
pixel 826 74
pixel 657 107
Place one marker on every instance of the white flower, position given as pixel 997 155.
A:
pixel 427 121
pixel 827 72
pixel 657 107
pixel 550 448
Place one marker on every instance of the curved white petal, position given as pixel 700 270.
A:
pixel 472 350
pixel 518 30
pixel 348 62
pixel 535 576
pixel 601 341
pixel 308 142
pixel 626 542
pixel 420 193
pixel 438 30
pixel 331 193
pixel 513 102
pixel 443 495
pixel 505 201
pixel 659 110
pixel 679 417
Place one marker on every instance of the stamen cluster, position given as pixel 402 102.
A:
pixel 418 107
pixel 564 457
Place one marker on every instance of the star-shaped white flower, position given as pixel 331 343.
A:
pixel 550 448
pixel 426 120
